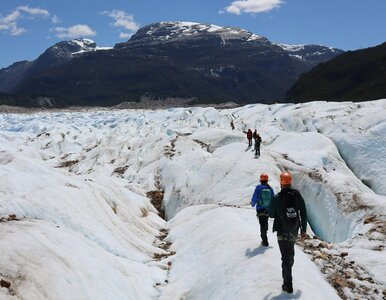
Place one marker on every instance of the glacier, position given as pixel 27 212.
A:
pixel 76 221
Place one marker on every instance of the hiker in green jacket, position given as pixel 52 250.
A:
pixel 289 211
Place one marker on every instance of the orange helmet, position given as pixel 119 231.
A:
pixel 263 177
pixel 285 178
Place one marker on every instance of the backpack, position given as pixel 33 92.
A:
pixel 266 197
pixel 290 219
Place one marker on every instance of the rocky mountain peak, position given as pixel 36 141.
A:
pixel 311 53
pixel 165 32
pixel 56 55
pixel 67 49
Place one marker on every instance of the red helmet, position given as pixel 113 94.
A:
pixel 263 177
pixel 285 179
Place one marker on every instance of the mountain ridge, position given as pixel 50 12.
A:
pixel 354 76
pixel 59 53
pixel 182 60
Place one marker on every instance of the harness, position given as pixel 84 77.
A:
pixel 287 237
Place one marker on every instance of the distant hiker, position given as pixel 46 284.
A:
pixel 262 198
pixel 289 211
pixel 254 134
pixel 249 137
pixel 257 144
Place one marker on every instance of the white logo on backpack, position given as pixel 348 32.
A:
pixel 291 213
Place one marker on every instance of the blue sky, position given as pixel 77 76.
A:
pixel 28 27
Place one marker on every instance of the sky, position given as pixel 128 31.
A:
pixel 29 27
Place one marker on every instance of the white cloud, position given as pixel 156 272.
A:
pixel 252 6
pixel 12 17
pixel 9 22
pixel 75 31
pixel 55 19
pixel 12 29
pixel 124 35
pixel 15 31
pixel 123 21
pixel 33 11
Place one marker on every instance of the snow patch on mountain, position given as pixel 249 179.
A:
pixel 86 45
pixel 307 52
pixel 297 48
pixel 290 48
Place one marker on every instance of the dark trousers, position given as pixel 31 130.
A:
pixel 257 149
pixel 249 142
pixel 287 250
pixel 263 221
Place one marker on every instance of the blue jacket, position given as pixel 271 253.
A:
pixel 257 194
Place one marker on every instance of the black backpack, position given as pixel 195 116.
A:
pixel 290 219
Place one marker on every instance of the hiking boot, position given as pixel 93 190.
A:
pixel 265 243
pixel 287 289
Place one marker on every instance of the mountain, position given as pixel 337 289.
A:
pixel 12 75
pixel 191 62
pixel 57 55
pixel 312 54
pixel 354 75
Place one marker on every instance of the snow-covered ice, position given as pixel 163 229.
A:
pixel 76 222
pixel 231 264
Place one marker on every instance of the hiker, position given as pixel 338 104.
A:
pixel 249 137
pixel 262 198
pixel 257 144
pixel 289 211
pixel 254 134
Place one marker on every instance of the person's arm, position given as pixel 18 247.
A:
pixel 303 215
pixel 254 198
pixel 272 207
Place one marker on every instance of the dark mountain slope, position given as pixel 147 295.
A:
pixel 355 75
pixel 56 55
pixel 201 62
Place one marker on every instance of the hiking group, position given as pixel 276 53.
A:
pixel 257 139
pixel 289 212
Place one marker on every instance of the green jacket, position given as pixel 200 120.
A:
pixel 276 208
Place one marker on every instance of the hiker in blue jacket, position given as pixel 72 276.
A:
pixel 262 198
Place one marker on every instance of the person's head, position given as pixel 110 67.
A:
pixel 285 179
pixel 263 178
